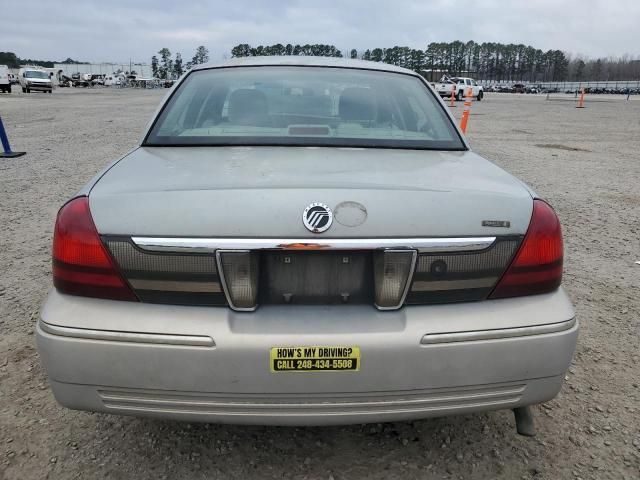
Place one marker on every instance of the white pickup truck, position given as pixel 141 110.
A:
pixel 462 85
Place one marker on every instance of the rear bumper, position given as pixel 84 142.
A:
pixel 212 364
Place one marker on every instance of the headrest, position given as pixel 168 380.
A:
pixel 247 107
pixel 357 104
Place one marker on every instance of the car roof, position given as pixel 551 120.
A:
pixel 304 61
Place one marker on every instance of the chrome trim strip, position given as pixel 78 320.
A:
pixel 152 398
pixel 208 245
pixel 470 336
pixel 175 286
pixel 365 411
pixel 131 337
pixel 414 260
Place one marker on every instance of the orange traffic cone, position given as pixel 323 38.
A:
pixel 581 101
pixel 465 113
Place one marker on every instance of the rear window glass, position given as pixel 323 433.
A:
pixel 313 106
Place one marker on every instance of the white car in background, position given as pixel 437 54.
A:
pixel 460 86
pixel 34 79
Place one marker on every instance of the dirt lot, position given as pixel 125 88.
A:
pixel 585 162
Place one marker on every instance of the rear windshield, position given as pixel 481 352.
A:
pixel 314 106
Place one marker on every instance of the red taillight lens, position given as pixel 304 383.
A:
pixel 537 267
pixel 81 264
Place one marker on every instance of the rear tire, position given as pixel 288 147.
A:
pixel 24 90
pixel 28 90
pixel 480 95
pixel 459 95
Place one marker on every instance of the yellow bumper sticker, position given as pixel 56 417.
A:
pixel 315 359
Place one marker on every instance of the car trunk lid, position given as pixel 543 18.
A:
pixel 261 192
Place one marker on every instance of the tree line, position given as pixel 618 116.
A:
pixel 487 61
pixel 315 50
pixel 166 67
pixel 11 60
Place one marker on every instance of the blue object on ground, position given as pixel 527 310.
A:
pixel 7 153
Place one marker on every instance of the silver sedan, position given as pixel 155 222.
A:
pixel 305 241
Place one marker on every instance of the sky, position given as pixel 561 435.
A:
pixel 122 30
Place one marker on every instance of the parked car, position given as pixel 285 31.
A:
pixel 518 88
pixel 5 81
pixel 32 78
pixel 305 241
pixel 460 85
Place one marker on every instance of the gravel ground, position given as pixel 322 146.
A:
pixel 585 162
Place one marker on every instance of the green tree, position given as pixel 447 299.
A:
pixel 376 54
pixel 178 70
pixel 201 56
pixel 165 68
pixel 277 50
pixel 9 59
pixel 560 66
pixel 242 50
pixel 416 60
pixel 154 66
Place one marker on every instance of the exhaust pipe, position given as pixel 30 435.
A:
pixel 524 421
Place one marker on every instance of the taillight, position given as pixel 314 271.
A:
pixel 537 267
pixel 81 264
